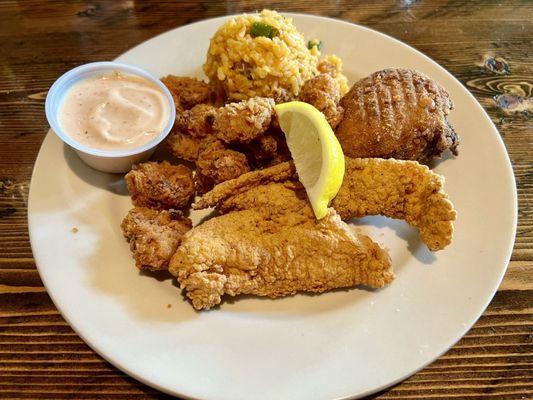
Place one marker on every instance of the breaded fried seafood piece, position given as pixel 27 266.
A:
pixel 243 121
pixel 396 113
pixel 154 235
pixel 268 149
pixel 198 121
pixel 183 146
pixel 393 188
pixel 160 185
pixel 187 92
pixel 398 189
pixel 275 252
pixel 216 164
pixel 323 93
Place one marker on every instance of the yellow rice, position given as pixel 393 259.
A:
pixel 242 66
pixel 334 63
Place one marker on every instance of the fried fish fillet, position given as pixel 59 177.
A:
pixel 278 173
pixel 393 188
pixel 275 252
pixel 398 189
pixel 288 195
pixel 396 113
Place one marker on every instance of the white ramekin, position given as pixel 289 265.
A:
pixel 104 160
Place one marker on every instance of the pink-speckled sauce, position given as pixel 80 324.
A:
pixel 115 111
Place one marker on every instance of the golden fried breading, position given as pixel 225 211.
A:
pixel 323 93
pixel 266 150
pixel 183 146
pixel 160 185
pixel 398 189
pixel 243 121
pixel 393 188
pixel 396 113
pixel 198 121
pixel 187 92
pixel 288 196
pixel 219 164
pixel 278 173
pixel 154 235
pixel 274 252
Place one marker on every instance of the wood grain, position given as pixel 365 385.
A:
pixel 486 45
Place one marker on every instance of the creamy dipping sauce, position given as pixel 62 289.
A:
pixel 116 111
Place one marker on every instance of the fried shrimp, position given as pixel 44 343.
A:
pixel 154 235
pixel 243 121
pixel 216 164
pixel 160 185
pixel 187 92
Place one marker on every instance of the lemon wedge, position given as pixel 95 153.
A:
pixel 316 152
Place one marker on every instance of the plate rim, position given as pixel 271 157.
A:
pixel 509 246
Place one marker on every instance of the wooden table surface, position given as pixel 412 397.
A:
pixel 487 45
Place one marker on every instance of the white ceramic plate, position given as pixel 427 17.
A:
pixel 342 344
